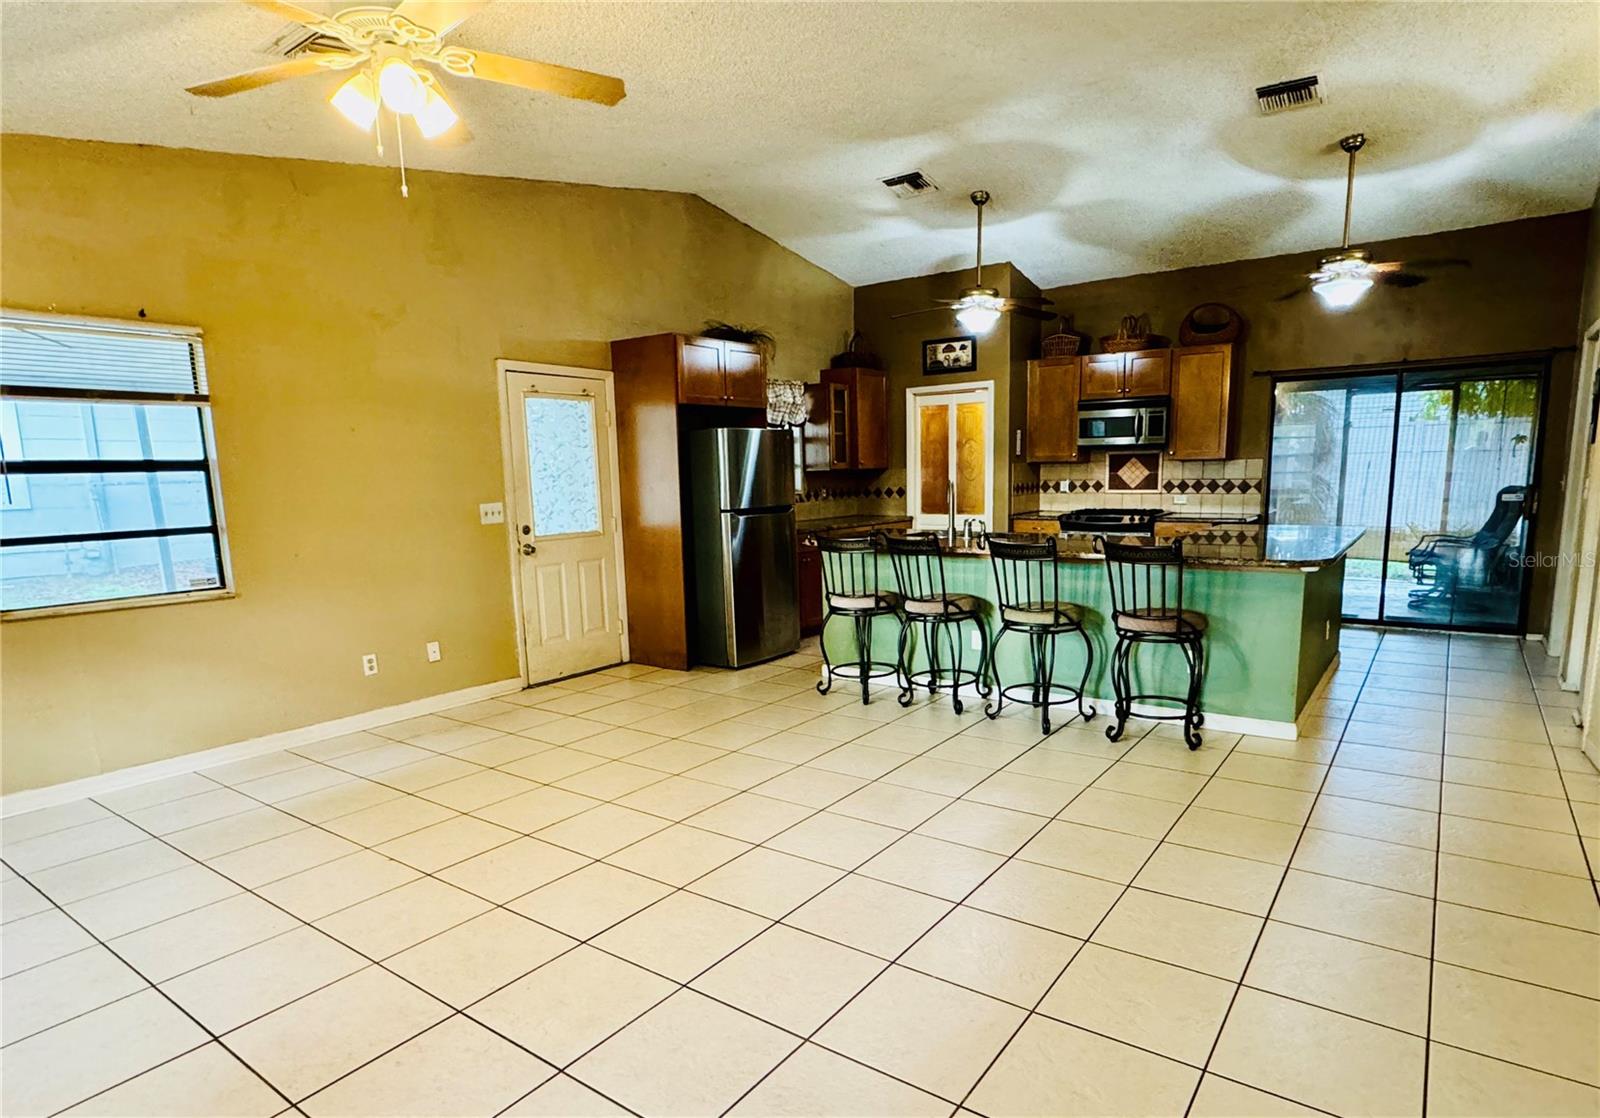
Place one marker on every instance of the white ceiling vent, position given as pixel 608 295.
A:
pixel 912 184
pixel 1280 97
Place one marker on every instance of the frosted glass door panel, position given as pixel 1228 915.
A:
pixel 562 470
pixel 972 460
pixel 934 450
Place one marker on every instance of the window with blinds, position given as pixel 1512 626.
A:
pixel 108 482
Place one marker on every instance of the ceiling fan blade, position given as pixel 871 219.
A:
pixel 546 77
pixel 1287 295
pixel 1036 300
pixel 1402 279
pixel 1439 262
pixel 924 310
pixel 439 16
pixel 292 12
pixel 1032 312
pixel 267 75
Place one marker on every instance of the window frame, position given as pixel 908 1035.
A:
pixel 26 469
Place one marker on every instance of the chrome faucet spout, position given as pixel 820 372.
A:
pixel 950 504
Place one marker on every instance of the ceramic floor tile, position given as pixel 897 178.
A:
pixel 132 907
pixel 1003 958
pixel 1202 937
pixel 791 978
pixel 1369 861
pixel 1119 811
pixel 998 830
pixel 815 1081
pixel 892 806
pixel 311 1042
pixel 53 1069
pixel 471 960
pixel 208 840
pixel 869 915
pixel 1467 1085
pixel 402 917
pixel 681 935
pixel 1386 917
pixel 1243 836
pixel 456 1067
pixel 1020 792
pixel 590 900
pixel 1532 894
pixel 934 866
pixel 207 1082
pixel 564 1097
pixel 1360 979
pixel 1543 1029
pixel 1089 850
pixel 1160 1008
pixel 509 871
pixel 454 840
pixel 678 855
pixel 224 994
pixel 1052 1070
pixel 1149 780
pixel 44 996
pixel 317 892
pixel 750 817
pixel 572 1003
pixel 1223 1098
pixel 767 882
pixel 1320 1058
pixel 38 939
pixel 96 873
pixel 1517 808
pixel 58 847
pixel 835 840
pixel 43 821
pixel 1221 879
pixel 1517 846
pixel 1059 900
pixel 689 1055
pixel 1261 801
pixel 163 950
pixel 389 820
pixel 899 1025
pixel 1383 822
pixel 1526 950
pixel 264 862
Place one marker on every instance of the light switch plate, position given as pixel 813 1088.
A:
pixel 494 512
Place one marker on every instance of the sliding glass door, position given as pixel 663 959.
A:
pixel 1437 465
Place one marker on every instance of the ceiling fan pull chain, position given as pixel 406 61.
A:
pixel 400 146
pixel 377 130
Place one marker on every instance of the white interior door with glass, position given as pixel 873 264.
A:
pixel 563 519
pixel 950 439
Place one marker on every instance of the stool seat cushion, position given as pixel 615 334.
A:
pixel 1043 613
pixel 949 606
pixel 861 603
pixel 1157 621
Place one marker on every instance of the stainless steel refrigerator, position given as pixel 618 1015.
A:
pixel 741 486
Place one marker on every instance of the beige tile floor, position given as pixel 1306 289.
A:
pixel 706 893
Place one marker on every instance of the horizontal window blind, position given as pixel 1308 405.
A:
pixel 42 355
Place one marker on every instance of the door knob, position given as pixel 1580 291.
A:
pixel 528 549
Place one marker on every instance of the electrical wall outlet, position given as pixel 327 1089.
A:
pixel 1180 498
pixel 432 648
pixel 369 664
pixel 975 639
pixel 492 512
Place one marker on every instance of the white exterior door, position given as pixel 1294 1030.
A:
pixel 950 436
pixel 563 519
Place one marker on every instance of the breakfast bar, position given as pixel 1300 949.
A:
pixel 1271 594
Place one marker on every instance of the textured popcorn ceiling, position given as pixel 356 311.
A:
pixel 1116 138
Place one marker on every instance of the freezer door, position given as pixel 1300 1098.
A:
pixel 763 612
pixel 755 467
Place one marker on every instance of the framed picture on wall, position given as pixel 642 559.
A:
pixel 950 355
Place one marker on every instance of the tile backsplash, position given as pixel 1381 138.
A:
pixel 829 495
pixel 1233 487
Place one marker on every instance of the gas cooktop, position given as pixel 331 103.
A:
pixel 1127 522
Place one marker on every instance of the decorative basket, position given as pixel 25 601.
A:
pixel 1132 333
pixel 1064 342
pixel 1210 324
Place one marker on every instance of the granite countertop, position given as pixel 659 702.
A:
pixel 1277 546
pixel 858 521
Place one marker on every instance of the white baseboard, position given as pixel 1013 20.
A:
pixel 1215 721
pixel 33 799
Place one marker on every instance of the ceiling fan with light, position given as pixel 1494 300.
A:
pixel 978 308
pixel 1343 277
pixel 391 53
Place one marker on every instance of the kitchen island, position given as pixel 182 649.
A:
pixel 1272 596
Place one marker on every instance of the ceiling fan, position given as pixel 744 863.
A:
pixel 978 308
pixel 391 54
pixel 1343 277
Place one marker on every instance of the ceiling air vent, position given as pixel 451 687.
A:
pixel 912 184
pixel 1280 97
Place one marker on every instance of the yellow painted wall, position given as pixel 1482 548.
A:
pixel 351 338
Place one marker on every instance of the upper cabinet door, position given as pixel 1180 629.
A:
pixel 746 371
pixel 1102 376
pixel 871 413
pixel 1147 372
pixel 1202 379
pixel 1053 410
pixel 701 377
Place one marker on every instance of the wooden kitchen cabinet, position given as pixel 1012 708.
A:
pixel 808 577
pixel 1052 420
pixel 848 428
pixel 1200 421
pixel 1113 376
pixel 1101 376
pixel 720 373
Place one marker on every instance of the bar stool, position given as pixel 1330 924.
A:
pixel 1028 586
pixel 1147 608
pixel 925 600
pixel 850 589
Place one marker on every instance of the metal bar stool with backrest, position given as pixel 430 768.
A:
pixel 850 589
pixel 925 601
pixel 1147 608
pixel 1028 592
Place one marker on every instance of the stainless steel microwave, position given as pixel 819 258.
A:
pixel 1123 424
